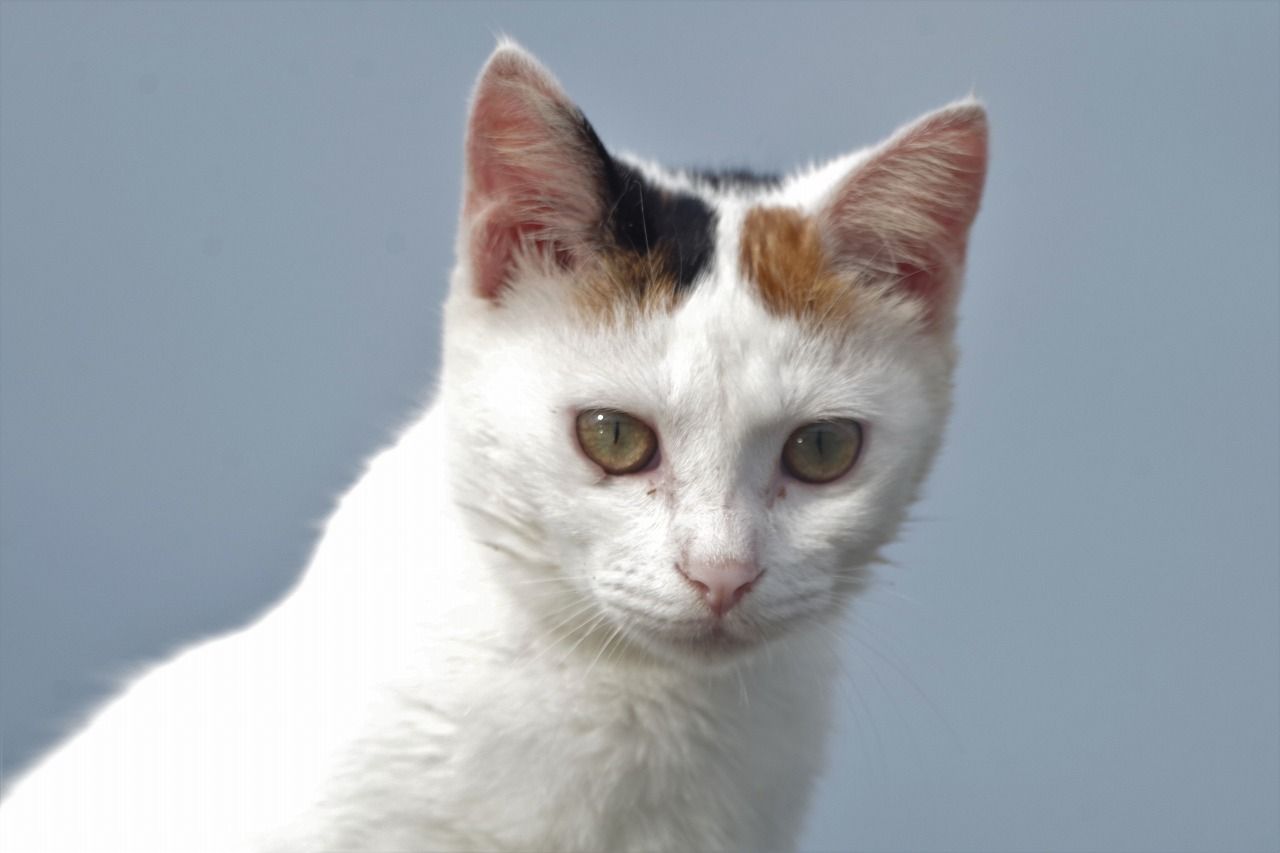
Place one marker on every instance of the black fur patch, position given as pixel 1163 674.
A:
pixel 673 228
pixel 728 179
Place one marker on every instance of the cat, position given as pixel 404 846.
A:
pixel 585 602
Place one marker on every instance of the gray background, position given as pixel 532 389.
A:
pixel 224 237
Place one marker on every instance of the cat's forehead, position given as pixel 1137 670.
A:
pixel 697 231
pixel 723 353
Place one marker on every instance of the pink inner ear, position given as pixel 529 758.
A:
pixel 495 241
pixel 492 250
pixel 903 216
pixel 531 179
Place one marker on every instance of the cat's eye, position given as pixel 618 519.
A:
pixel 617 442
pixel 822 451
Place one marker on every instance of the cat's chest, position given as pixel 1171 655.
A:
pixel 624 760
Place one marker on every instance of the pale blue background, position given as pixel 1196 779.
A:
pixel 224 236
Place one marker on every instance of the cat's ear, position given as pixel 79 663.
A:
pixel 534 173
pixel 903 214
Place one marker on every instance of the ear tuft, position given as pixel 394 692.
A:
pixel 533 171
pixel 902 216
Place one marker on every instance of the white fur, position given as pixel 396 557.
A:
pixel 491 649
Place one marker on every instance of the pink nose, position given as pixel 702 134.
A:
pixel 722 583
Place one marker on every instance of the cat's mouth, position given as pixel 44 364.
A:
pixel 705 638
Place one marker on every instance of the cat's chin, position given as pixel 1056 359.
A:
pixel 700 645
pixel 711 650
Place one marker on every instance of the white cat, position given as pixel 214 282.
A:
pixel 584 603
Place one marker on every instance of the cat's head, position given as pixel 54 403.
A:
pixel 695 407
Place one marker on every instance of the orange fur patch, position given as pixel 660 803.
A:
pixel 623 284
pixel 782 254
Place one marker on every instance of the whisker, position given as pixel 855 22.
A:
pixel 848 682
pixel 590 629
pixel 612 636
pixel 579 607
pixel 560 579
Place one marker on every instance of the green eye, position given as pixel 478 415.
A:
pixel 617 442
pixel 820 452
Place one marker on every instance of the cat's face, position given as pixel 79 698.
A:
pixel 687 412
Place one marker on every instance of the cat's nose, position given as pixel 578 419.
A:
pixel 722 583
